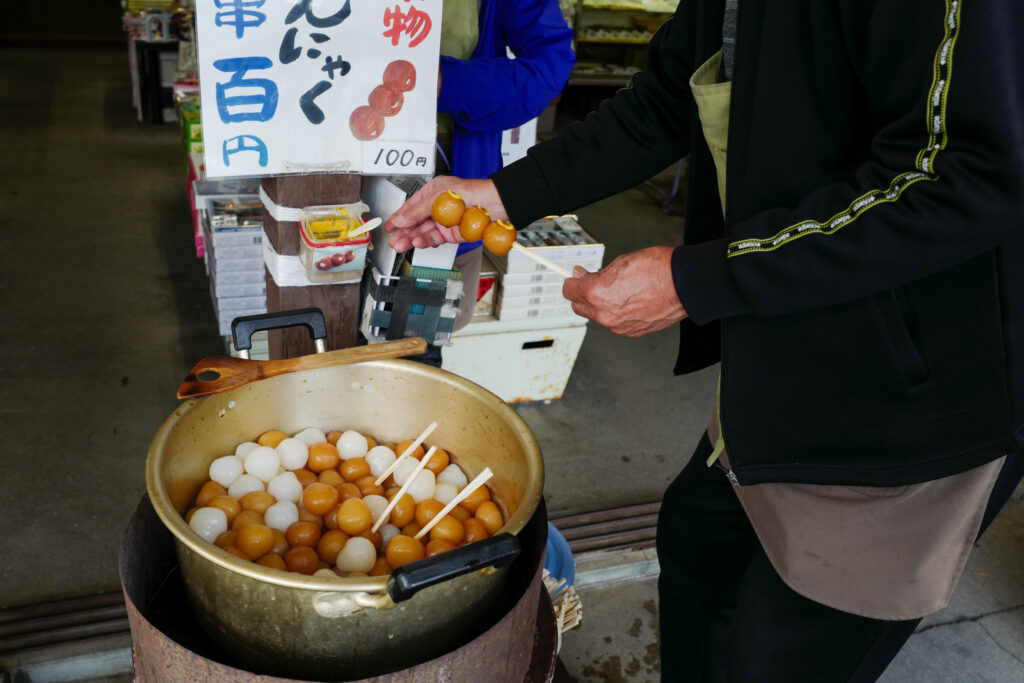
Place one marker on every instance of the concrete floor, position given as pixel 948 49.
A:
pixel 105 309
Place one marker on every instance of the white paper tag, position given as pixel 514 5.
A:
pixel 441 257
pixel 396 158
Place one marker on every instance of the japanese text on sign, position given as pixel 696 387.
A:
pixel 302 86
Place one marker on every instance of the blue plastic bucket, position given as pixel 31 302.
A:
pixel 558 558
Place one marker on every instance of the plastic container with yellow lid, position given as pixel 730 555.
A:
pixel 326 250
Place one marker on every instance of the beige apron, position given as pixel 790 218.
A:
pixel 713 100
pixel 713 105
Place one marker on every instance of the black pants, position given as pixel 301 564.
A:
pixel 727 616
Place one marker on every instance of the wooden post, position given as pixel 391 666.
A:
pixel 340 303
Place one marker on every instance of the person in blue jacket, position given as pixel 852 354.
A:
pixel 483 91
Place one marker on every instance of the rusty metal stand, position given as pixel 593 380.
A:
pixel 169 645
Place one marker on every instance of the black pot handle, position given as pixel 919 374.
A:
pixel 244 327
pixel 496 551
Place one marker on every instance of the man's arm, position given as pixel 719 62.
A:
pixel 637 133
pixel 941 181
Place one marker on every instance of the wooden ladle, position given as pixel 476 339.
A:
pixel 220 373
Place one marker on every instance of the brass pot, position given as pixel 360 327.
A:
pixel 289 624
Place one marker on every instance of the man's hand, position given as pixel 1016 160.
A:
pixel 413 225
pixel 633 296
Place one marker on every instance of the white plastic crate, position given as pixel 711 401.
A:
pixel 525 360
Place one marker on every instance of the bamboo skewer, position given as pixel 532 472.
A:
pixel 419 439
pixel 461 496
pixel 365 227
pixel 565 601
pixel 541 260
pixel 405 487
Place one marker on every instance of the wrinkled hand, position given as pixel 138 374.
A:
pixel 412 225
pixel 634 295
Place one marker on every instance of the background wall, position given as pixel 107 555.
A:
pixel 27 21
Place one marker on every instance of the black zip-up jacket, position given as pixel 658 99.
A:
pixel 864 290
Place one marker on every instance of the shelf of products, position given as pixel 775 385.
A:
pixel 611 37
pixel 600 35
pixel 653 6
pixel 155 32
pixel 229 237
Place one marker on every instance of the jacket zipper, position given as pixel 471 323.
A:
pixel 729 474
pixel 739 57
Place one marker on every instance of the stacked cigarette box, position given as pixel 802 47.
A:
pixel 233 245
pixel 531 290
pixel 228 223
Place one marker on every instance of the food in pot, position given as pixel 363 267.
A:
pixel 272 438
pixel 209 523
pixel 308 503
pixel 352 444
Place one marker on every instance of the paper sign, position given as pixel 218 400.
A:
pixel 318 86
pixel 397 158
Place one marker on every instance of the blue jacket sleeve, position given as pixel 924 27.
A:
pixel 491 91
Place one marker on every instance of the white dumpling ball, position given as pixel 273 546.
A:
pixel 443 493
pixel 243 484
pixel 453 475
pixel 404 470
pixel 325 573
pixel 422 487
pixel 293 453
pixel 245 448
pixel 380 458
pixel 225 470
pixel 262 463
pixel 376 504
pixel 311 435
pixel 209 523
pixel 352 444
pixel 387 532
pixel 358 555
pixel 285 486
pixel 281 515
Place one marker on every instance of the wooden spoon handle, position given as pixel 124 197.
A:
pixel 228 372
pixel 355 354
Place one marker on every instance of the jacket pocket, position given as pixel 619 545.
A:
pixel 898 318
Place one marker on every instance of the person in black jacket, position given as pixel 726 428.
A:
pixel 854 255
